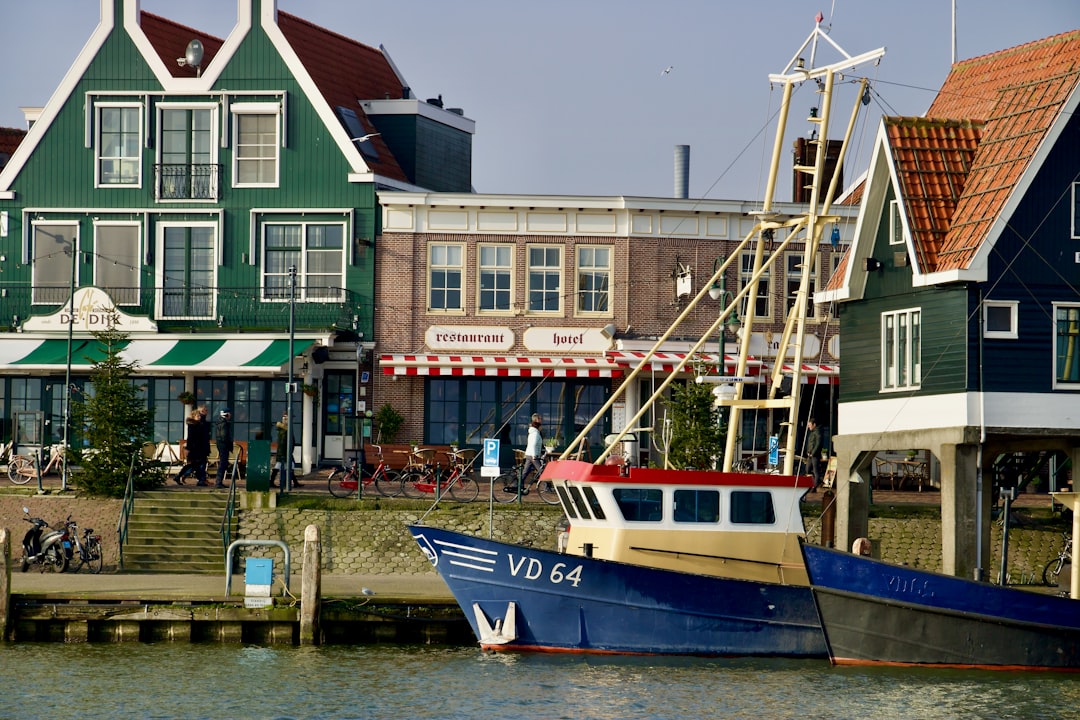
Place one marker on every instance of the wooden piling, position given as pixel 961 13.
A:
pixel 310 587
pixel 5 584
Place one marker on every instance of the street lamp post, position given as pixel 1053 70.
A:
pixel 728 391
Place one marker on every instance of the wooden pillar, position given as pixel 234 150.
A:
pixel 852 487
pixel 5 584
pixel 964 507
pixel 310 587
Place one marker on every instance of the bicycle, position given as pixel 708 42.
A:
pixel 423 477
pixel 344 480
pixel 506 487
pixel 1064 558
pixel 23 468
pixel 86 550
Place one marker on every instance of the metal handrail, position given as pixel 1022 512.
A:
pixel 126 508
pixel 230 505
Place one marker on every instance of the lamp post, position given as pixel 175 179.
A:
pixel 67 373
pixel 287 462
pixel 726 392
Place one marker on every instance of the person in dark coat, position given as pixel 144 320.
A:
pixel 812 448
pixel 198 447
pixel 223 438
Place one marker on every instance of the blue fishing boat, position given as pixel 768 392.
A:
pixel 877 613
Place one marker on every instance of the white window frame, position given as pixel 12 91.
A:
pixel 901 350
pixel 1066 342
pixel 764 294
pixel 159 269
pixel 793 276
pixel 556 270
pixel 241 111
pixel 214 145
pixel 597 270
pixel 99 156
pixel 1013 307
pixel 49 291
pixel 896 224
pixel 495 270
pixel 450 265
pixel 105 263
pixel 305 272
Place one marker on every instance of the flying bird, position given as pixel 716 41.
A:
pixel 365 138
pixel 667 70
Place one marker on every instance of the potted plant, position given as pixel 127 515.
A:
pixel 187 398
pixel 310 390
pixel 389 421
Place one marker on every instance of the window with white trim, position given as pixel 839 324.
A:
pixel 188 255
pixel 446 276
pixel 116 261
pixel 545 278
pixel 315 249
pixel 896 224
pixel 763 303
pixel 257 146
pixel 187 153
pixel 593 279
pixel 793 272
pixel 53 262
pixel 1067 345
pixel 901 349
pixel 119 145
pixel 496 273
pixel 1000 319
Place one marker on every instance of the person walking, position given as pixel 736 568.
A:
pixel 223 438
pixel 283 454
pixel 197 447
pixel 534 449
pixel 812 449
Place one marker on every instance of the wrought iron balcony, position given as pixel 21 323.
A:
pixel 187 182
pixel 232 309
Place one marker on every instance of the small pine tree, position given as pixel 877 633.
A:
pixel 115 422
pixel 697 438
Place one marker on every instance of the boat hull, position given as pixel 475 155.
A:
pixel 875 613
pixel 570 603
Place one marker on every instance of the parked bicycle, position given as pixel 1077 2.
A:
pixel 1063 561
pixel 424 477
pixel 85 550
pixel 23 468
pixel 505 488
pixel 344 480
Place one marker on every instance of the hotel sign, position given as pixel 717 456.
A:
pixel 564 340
pixel 91 310
pixel 469 337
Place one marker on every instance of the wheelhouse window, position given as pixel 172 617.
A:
pixel 54 263
pixel 545 278
pixel 593 279
pixel 188 255
pixel 763 301
pixel 446 272
pixel 639 504
pixel 697 506
pixel 116 261
pixel 752 507
pixel 1067 355
pixel 496 271
pixel 901 350
pixel 257 144
pixel 188 154
pixel 1000 319
pixel 793 273
pixel 315 249
pixel 896 224
pixel 119 145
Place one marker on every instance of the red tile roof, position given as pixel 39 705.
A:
pixel 1010 100
pixel 170 40
pixel 9 140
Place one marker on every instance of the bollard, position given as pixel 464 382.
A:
pixel 5 584
pixel 828 519
pixel 310 587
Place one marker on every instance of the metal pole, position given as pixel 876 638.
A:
pixel 67 375
pixel 287 462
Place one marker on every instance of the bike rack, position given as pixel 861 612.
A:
pixel 236 543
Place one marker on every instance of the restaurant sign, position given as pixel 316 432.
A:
pixel 469 337
pixel 91 310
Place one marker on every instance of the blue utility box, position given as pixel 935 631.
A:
pixel 258 578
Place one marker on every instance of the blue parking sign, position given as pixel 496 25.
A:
pixel 491 452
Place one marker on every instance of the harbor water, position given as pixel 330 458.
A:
pixel 166 680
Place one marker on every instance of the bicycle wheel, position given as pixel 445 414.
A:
pixel 500 487
pixel 55 560
pixel 464 489
pixel 1052 571
pixel 343 485
pixel 546 490
pixel 411 481
pixel 95 555
pixel 388 483
pixel 20 469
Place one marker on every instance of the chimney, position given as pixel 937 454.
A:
pixel 682 171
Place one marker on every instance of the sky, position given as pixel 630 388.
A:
pixel 570 97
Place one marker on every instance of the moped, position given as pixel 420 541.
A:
pixel 42 545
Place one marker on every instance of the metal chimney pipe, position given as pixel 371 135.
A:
pixel 682 171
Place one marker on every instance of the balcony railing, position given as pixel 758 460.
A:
pixel 232 309
pixel 186 182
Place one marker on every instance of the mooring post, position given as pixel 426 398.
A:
pixel 310 587
pixel 5 584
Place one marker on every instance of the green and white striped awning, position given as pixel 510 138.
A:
pixel 157 355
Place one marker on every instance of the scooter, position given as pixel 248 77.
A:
pixel 42 545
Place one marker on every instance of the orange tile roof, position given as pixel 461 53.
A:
pixel 1014 96
pixel 9 140
pixel 836 280
pixel 170 40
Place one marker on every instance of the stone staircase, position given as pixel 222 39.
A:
pixel 177 533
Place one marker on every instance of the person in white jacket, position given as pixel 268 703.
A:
pixel 534 449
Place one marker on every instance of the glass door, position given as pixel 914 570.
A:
pixel 340 415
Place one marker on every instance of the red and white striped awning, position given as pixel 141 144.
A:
pixel 499 366
pixel 668 361
pixel 812 374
